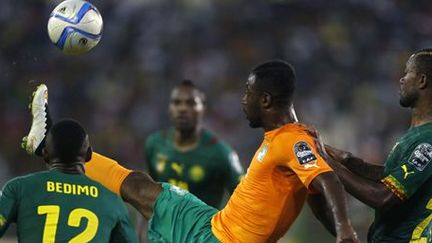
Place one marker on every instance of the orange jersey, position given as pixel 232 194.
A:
pixel 272 194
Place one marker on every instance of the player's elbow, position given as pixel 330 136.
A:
pixel 141 191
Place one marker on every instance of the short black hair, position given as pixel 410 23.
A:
pixel 67 137
pixel 423 62
pixel 276 77
pixel 187 83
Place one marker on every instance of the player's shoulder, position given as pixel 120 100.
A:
pixel 29 179
pixel 210 140
pixel 419 134
pixel 292 133
pixel 159 135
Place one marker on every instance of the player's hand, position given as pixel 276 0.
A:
pixel 337 154
pixel 347 235
pixel 318 141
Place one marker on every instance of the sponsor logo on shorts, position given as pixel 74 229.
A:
pixel 421 156
pixel 305 155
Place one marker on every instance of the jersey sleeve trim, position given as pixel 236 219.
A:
pixel 395 186
pixel 314 174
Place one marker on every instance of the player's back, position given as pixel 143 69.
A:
pixel 52 206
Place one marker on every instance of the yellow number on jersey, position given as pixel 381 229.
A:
pixel 92 224
pixel 53 213
pixel 418 231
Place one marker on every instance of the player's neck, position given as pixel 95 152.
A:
pixel 279 118
pixel 421 114
pixel 419 118
pixel 186 140
pixel 72 168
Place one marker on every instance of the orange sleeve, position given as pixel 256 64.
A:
pixel 303 158
pixel 106 171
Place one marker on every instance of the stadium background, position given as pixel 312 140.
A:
pixel 349 56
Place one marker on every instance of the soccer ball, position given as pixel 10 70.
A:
pixel 75 26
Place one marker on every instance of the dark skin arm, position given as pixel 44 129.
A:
pixel 373 193
pixel 331 189
pixel 356 165
pixel 370 191
pixel 141 191
pixel 320 209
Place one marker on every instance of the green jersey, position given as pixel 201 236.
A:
pixel 205 170
pixel 51 206
pixel 408 173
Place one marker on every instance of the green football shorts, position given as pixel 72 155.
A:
pixel 179 216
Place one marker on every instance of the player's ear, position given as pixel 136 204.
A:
pixel 266 100
pixel 89 154
pixel 423 82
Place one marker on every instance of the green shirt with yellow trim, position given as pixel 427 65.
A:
pixel 206 170
pixel 52 206
pixel 408 173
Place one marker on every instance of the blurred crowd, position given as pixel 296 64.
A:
pixel 349 56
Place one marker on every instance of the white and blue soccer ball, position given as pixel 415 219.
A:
pixel 75 26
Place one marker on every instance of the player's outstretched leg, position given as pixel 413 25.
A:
pixel 34 142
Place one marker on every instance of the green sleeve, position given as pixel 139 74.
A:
pixel 8 205
pixel 234 169
pixel 123 231
pixel 413 171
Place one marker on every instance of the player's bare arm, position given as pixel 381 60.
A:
pixel 322 212
pixel 356 165
pixel 140 190
pixel 373 193
pixel 330 187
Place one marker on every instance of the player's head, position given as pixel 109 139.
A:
pixel 417 81
pixel 186 106
pixel 270 85
pixel 66 143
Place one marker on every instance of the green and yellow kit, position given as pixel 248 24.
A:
pixel 408 173
pixel 52 206
pixel 205 170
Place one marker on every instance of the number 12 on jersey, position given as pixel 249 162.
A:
pixel 52 217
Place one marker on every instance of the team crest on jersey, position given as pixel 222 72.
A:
pixel 305 155
pixel 161 162
pixel 2 220
pixel 196 173
pixel 262 153
pixel 421 156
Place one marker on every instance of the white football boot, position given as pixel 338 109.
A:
pixel 41 122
